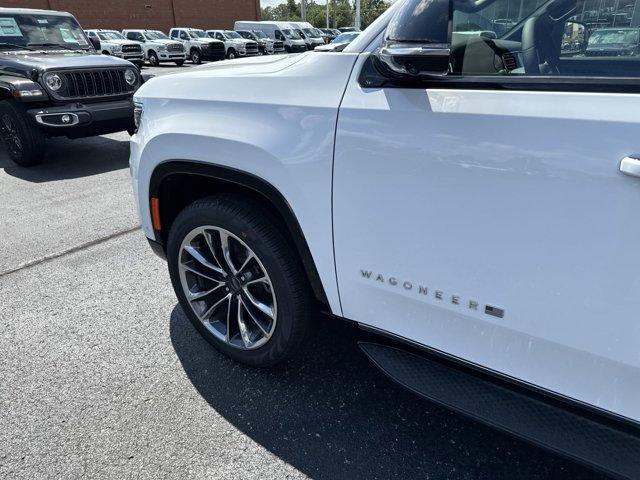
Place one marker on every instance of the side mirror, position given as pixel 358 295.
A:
pixel 416 60
pixel 95 41
pixel 574 38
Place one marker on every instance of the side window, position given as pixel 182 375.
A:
pixel 569 38
pixel 219 36
pixel 184 36
pixel 279 35
pixel 174 34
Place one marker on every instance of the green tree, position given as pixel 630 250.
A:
pixel 341 12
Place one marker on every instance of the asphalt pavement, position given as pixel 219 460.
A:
pixel 102 375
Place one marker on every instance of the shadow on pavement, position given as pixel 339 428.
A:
pixel 331 414
pixel 66 159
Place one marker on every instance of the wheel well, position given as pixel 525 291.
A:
pixel 185 188
pixel 194 49
pixel 106 52
pixel 151 50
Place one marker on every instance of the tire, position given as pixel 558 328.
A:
pixel 287 295
pixel 154 61
pixel 287 49
pixel 195 56
pixel 231 54
pixel 23 140
pixel 180 63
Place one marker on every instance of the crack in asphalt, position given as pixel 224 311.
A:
pixel 68 251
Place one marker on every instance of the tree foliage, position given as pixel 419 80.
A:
pixel 341 12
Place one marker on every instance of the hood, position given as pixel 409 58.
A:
pixel 120 42
pixel 251 66
pixel 25 61
pixel 205 40
pixel 164 41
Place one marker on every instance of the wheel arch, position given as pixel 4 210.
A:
pixel 204 180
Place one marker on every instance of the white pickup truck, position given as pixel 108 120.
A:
pixel 235 44
pixel 114 43
pixel 471 199
pixel 158 47
pixel 198 45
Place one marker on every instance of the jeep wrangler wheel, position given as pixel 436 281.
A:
pixel 153 59
pixel 195 56
pixel 23 140
pixel 238 280
pixel 231 54
pixel 180 63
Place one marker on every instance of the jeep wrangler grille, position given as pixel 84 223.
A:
pixel 94 83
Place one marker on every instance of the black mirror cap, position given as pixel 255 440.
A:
pixel 95 41
pixel 407 59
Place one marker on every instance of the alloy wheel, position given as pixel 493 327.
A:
pixel 10 135
pixel 227 287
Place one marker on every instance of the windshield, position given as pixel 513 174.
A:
pixel 260 34
pixel 197 34
pixel 310 32
pixel 614 37
pixel 156 35
pixel 232 34
pixel 291 34
pixel 49 30
pixel 106 36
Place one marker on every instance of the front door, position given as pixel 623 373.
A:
pixel 494 224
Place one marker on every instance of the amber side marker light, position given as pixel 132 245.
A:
pixel 155 213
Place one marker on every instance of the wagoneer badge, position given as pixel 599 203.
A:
pixel 436 294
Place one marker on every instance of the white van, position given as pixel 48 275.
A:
pixel 310 34
pixel 282 31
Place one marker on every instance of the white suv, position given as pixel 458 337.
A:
pixel 235 44
pixel 198 45
pixel 114 43
pixel 471 199
pixel 158 47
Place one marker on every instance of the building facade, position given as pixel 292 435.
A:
pixel 151 14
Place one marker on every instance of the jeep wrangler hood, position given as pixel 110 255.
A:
pixel 25 62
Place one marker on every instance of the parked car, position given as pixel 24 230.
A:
pixel 614 42
pixel 55 82
pixel 280 31
pixel 198 45
pixel 339 43
pixel 236 45
pixel 472 205
pixel 329 34
pixel 266 45
pixel 158 47
pixel 311 35
pixel 347 29
pixel 114 43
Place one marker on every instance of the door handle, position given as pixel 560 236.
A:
pixel 630 166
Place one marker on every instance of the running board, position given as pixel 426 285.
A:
pixel 615 451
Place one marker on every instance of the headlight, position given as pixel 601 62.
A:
pixel 130 77
pixel 162 48
pixel 53 81
pixel 117 48
pixel 137 114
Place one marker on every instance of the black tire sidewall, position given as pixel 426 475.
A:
pixel 195 57
pixel 287 312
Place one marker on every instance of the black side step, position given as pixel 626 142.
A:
pixel 584 439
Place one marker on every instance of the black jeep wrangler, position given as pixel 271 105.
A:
pixel 53 82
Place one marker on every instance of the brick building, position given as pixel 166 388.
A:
pixel 152 14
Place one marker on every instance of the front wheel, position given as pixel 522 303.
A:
pixel 232 54
pixel 180 63
pixel 238 280
pixel 154 61
pixel 23 140
pixel 195 57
